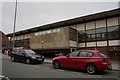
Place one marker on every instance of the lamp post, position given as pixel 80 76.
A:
pixel 14 25
pixel 42 47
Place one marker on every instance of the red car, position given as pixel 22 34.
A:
pixel 89 60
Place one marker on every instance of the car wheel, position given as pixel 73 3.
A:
pixel 13 59
pixel 27 61
pixel 56 64
pixel 91 69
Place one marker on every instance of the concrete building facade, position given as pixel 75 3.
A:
pixel 96 31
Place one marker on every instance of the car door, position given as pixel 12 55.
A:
pixel 15 54
pixel 71 59
pixel 82 60
pixel 22 55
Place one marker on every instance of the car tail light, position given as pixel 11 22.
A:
pixel 105 60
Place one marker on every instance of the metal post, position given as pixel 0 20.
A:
pixel 14 25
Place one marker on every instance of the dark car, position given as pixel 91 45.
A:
pixel 89 60
pixel 26 55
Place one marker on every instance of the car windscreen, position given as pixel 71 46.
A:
pixel 30 52
pixel 102 54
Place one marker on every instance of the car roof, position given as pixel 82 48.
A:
pixel 94 51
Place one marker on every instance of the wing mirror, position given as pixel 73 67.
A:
pixel 23 54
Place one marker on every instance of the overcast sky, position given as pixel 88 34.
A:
pixel 32 14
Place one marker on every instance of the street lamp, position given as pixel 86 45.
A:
pixel 14 25
pixel 42 47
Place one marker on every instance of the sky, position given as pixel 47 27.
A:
pixel 33 14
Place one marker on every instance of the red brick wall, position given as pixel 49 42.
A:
pixel 4 40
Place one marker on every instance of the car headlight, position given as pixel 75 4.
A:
pixel 33 57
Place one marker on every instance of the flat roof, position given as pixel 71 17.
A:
pixel 82 19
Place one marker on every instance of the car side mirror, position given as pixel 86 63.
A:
pixel 23 54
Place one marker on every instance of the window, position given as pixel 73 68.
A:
pixel 113 32
pixel 81 32
pixel 91 31
pixel 90 35
pixel 30 52
pixel 22 51
pixel 101 33
pixel 90 54
pixel 101 36
pixel 47 32
pixel 16 51
pixel 102 54
pixel 83 54
pixel 81 36
pixel 101 30
pixel 98 36
pixel 74 54
pixel 73 34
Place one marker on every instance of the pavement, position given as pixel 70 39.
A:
pixel 115 64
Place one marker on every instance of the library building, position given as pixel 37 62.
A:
pixel 99 31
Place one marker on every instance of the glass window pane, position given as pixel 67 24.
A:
pixel 102 54
pixel 90 35
pixel 83 54
pixel 73 34
pixel 113 32
pixel 92 31
pixel 90 54
pixel 101 30
pixel 81 36
pixel 101 33
pixel 74 54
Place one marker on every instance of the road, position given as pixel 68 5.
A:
pixel 46 70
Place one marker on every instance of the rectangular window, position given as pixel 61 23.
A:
pixel 47 32
pixel 113 32
pixel 101 30
pixel 90 35
pixel 101 33
pixel 73 34
pixel 81 36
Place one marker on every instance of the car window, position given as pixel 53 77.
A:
pixel 22 51
pixel 16 51
pixel 30 52
pixel 74 54
pixel 102 54
pixel 90 54
pixel 83 54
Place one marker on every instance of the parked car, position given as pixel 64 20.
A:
pixel 26 55
pixel 89 60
